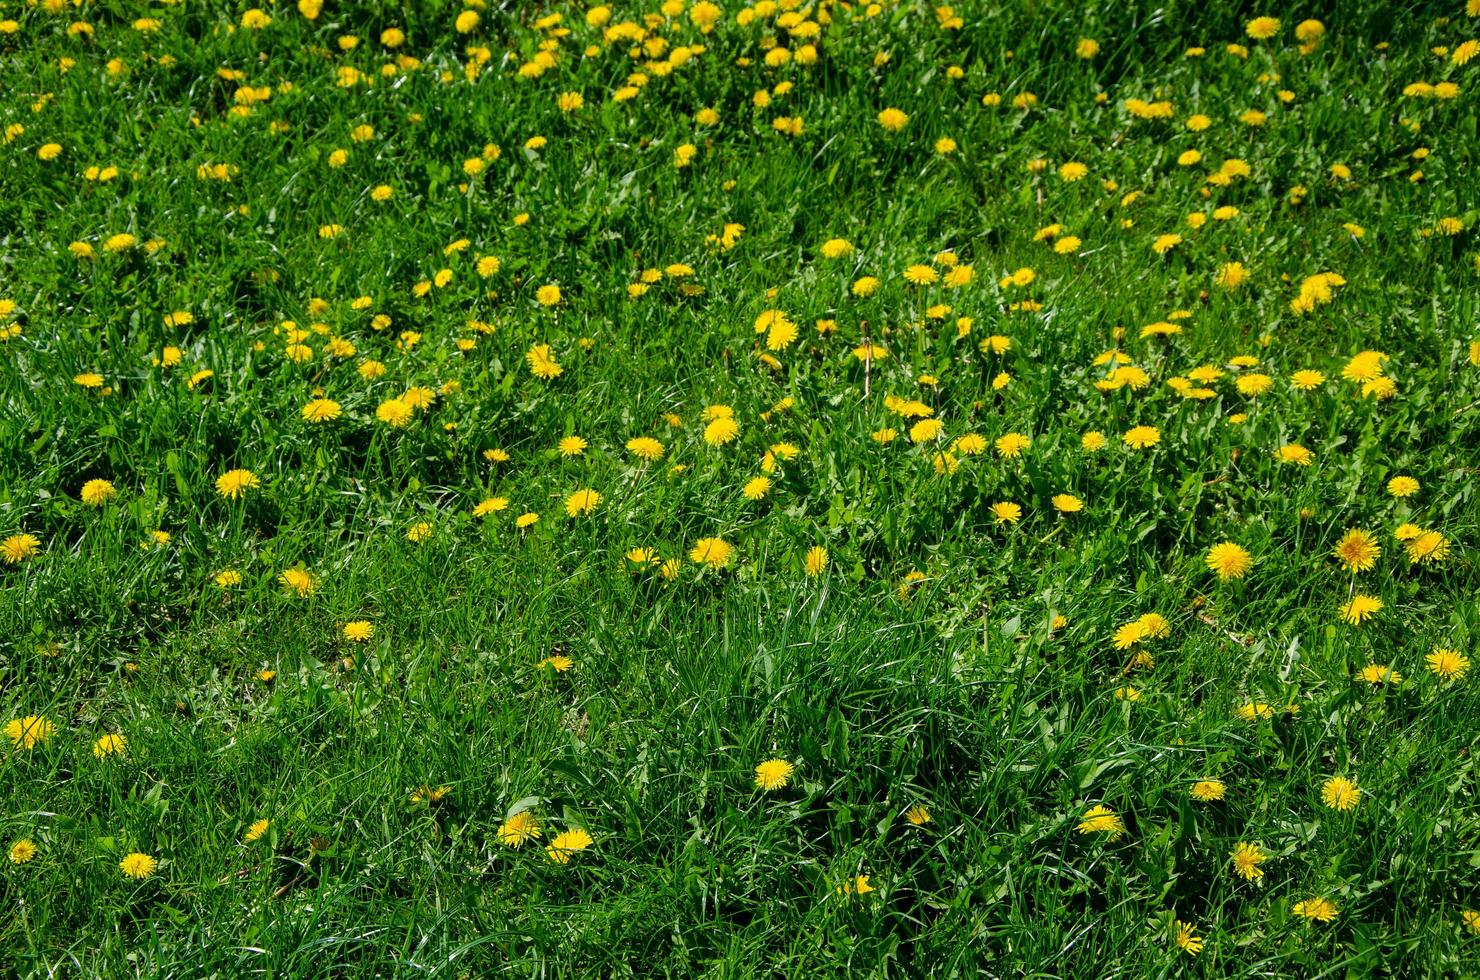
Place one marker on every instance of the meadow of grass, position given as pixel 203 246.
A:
pixel 793 489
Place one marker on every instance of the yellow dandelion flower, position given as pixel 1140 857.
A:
pixel 1358 550
pixel 1228 560
pixel 1450 665
pixel 714 552
pixel 1340 793
pixel 564 845
pixel 1101 819
pixel 1208 790
pixel 138 865
pixel 358 630
pixel 233 484
pixel 773 774
pixel 582 502
pixel 816 561
pixel 28 732
pixel 519 829
pixel 1246 861
pixel 1361 608
pixel 1316 909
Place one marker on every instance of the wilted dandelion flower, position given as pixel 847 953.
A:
pixel 1340 793
pixel 773 774
pixel 1100 819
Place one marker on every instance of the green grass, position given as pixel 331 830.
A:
pixel 952 688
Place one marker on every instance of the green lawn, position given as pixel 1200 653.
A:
pixel 792 490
